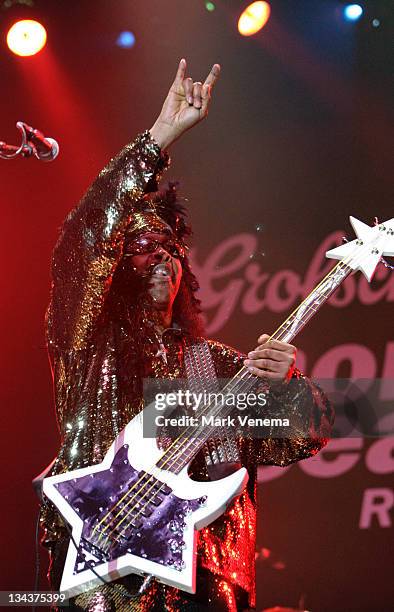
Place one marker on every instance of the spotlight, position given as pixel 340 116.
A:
pixel 26 37
pixel 352 12
pixel 210 6
pixel 126 40
pixel 254 17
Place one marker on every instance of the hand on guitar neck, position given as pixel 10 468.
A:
pixel 272 360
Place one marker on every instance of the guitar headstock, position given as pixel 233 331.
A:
pixel 366 251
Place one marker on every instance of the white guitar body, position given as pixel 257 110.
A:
pixel 192 504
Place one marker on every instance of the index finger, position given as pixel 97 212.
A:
pixel 213 76
pixel 278 345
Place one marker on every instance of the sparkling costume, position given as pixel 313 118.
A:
pixel 93 405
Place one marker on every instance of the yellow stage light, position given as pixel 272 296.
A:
pixel 254 17
pixel 26 37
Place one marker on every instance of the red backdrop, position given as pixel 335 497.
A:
pixel 298 139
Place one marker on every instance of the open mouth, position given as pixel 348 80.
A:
pixel 162 270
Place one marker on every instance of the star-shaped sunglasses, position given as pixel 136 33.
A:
pixel 144 246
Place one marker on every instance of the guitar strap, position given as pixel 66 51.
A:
pixel 221 453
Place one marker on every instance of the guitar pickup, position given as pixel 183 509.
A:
pixel 156 500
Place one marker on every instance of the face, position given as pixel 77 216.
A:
pixel 157 256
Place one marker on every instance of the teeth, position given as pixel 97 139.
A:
pixel 161 270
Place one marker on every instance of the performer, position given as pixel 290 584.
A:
pixel 122 308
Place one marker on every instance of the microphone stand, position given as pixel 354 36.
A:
pixel 11 151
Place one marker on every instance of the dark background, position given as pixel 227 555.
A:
pixel 299 137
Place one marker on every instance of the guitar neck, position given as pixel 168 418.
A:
pixel 311 304
pixel 187 445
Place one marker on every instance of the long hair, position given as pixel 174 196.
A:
pixel 131 309
pixel 129 300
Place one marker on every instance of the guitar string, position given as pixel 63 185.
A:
pixel 195 367
pixel 341 265
pixel 141 498
pixel 241 374
pixel 244 371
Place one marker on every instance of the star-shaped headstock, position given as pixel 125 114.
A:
pixel 366 251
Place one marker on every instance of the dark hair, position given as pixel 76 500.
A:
pixel 127 288
pixel 169 206
pixel 129 296
pixel 130 307
pixel 131 313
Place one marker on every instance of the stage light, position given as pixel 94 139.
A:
pixel 210 6
pixel 26 37
pixel 375 23
pixel 254 17
pixel 126 40
pixel 352 12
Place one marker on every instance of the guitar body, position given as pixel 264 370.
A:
pixel 129 516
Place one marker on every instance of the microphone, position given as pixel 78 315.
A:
pixel 45 149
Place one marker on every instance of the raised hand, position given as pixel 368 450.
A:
pixel 186 104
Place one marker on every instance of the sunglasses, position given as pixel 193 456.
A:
pixel 144 246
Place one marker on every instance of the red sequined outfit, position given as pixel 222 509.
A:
pixel 93 406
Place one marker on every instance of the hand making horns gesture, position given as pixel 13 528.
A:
pixel 186 104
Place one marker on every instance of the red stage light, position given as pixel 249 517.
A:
pixel 254 17
pixel 26 37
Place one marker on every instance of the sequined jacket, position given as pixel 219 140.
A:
pixel 91 406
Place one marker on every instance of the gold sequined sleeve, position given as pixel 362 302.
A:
pixel 301 401
pixel 310 418
pixel 91 241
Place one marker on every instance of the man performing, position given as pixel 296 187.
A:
pixel 123 308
